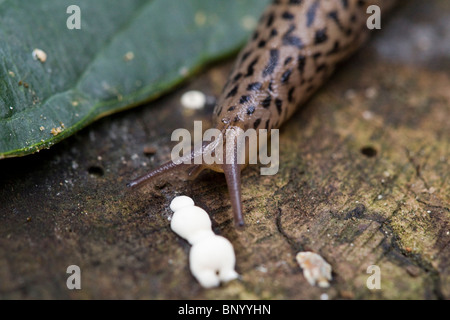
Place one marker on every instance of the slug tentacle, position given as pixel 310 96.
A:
pixel 184 162
pixel 163 169
pixel 233 177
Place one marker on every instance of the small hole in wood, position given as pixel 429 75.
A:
pixel 369 151
pixel 96 171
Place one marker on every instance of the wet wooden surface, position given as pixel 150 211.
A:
pixel 363 180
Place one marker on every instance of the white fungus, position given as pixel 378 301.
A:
pixel 193 100
pixel 315 268
pixel 212 257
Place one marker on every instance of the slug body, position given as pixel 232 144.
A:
pixel 293 51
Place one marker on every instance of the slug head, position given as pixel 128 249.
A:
pixel 230 165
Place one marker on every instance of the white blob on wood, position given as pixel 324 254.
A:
pixel 193 100
pixel 315 269
pixel 180 202
pixel 212 257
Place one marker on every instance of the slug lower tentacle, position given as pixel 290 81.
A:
pixel 293 51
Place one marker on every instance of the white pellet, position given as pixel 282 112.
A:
pixel 193 100
pixel 40 55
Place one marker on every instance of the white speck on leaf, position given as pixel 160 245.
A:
pixel 248 23
pixel 128 56
pixel 200 18
pixel 40 55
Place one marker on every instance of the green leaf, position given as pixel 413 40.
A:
pixel 125 53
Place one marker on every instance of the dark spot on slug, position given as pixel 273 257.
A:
pixel 290 95
pixel 290 40
pixel 261 44
pixel 273 33
pixel 232 92
pixel 256 123
pixel 255 35
pixel 287 15
pixel 267 124
pixel 273 61
pixel 231 108
pixel 266 102
pixel 334 16
pixel 321 67
pixel 237 77
pixel 293 41
pixel 311 14
pixel 369 151
pixel 279 104
pixel 321 36
pixel 96 171
pixel 335 48
pixel 250 110
pixel 244 99
pixel 288 59
pixel 285 76
pixel 295 1
pixel 345 4
pixel 316 55
pixel 270 20
pixel 245 55
pixel 250 69
pixel 236 119
pixel 255 86
pixel 301 60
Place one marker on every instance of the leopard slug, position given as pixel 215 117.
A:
pixel 294 49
